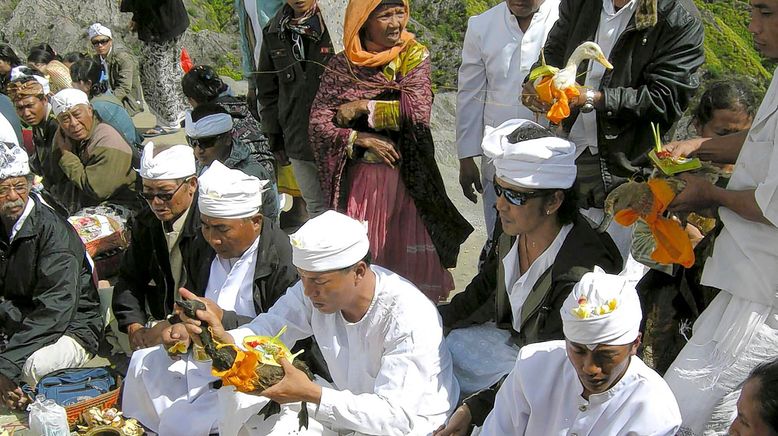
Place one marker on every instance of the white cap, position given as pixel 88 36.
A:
pixel 14 162
pixel 543 163
pixel 98 29
pixel 66 99
pixel 167 162
pixel 602 309
pixel 329 242
pixel 209 125
pixel 226 193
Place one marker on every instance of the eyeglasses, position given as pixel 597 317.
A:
pixel 203 143
pixel 20 189
pixel 516 198
pixel 96 42
pixel 164 196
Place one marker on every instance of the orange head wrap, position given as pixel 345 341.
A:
pixel 18 90
pixel 357 14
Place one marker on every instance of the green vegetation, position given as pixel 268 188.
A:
pixel 217 15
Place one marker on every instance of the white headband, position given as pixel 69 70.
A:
pixel 167 163
pixel 14 162
pixel 231 194
pixel 210 125
pixel 98 29
pixel 329 242
pixel 67 99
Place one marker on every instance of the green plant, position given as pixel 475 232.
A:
pixel 219 15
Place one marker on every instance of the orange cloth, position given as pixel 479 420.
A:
pixel 243 373
pixel 672 242
pixel 559 100
pixel 357 13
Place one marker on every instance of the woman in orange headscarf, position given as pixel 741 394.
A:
pixel 370 134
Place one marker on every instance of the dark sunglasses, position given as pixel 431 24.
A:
pixel 516 198
pixel 96 42
pixel 164 196
pixel 203 143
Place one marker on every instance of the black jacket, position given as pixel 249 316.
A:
pixel 286 88
pixel 652 79
pixel 486 298
pixel 145 278
pixel 47 289
pixel 158 21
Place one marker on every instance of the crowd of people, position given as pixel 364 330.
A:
pixel 568 327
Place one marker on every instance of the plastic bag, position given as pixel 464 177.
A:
pixel 47 418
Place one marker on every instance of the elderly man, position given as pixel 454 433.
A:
pixel 739 329
pixel 380 336
pixel 500 47
pixel 120 67
pixel 209 133
pixel 95 161
pixel 165 245
pixel 250 269
pixel 592 383
pixel 50 310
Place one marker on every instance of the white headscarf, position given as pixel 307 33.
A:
pixel 329 242
pixel 226 193
pixel 602 309
pixel 543 163
pixel 67 99
pixel 167 163
pixel 98 29
pixel 18 73
pixel 13 162
pixel 7 133
pixel 210 125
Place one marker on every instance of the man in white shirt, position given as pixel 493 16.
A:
pixel 592 383
pixel 380 336
pixel 252 266
pixel 739 329
pixel 500 47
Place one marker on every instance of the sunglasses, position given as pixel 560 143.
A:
pixel 203 143
pixel 516 198
pixel 164 196
pixel 96 42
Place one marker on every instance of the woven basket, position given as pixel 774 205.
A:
pixel 104 401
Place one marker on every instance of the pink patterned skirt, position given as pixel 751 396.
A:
pixel 398 238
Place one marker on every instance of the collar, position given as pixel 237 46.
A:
pixel 20 222
pixel 610 9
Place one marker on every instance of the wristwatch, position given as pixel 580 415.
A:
pixel 588 105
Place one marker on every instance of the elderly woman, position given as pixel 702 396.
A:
pixel 370 134
pixel 96 162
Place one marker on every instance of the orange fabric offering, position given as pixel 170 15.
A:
pixel 243 373
pixel 672 242
pixel 559 100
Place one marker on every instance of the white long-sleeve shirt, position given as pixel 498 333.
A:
pixel 542 396
pixel 392 369
pixel 496 57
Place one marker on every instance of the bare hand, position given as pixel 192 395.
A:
pixel 470 178
pixel 281 158
pixel 685 148
pixel 12 395
pixel 529 98
pixel 697 195
pixel 174 334
pixel 458 424
pixel 211 316
pixel 350 111
pixel 382 146
pixel 294 387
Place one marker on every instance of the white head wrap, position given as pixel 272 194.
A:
pixel 210 125
pixel 226 193
pixel 167 163
pixel 98 29
pixel 13 162
pixel 602 309
pixel 18 73
pixel 329 242
pixel 543 163
pixel 7 133
pixel 66 99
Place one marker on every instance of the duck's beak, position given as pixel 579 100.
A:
pixel 604 61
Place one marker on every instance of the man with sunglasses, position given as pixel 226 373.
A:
pixel 165 244
pixel 543 247
pixel 50 311
pixel 120 68
pixel 209 133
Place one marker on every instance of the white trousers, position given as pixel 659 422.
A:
pixel 65 353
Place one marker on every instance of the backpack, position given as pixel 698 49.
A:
pixel 71 385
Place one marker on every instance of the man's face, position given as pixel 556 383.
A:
pixel 764 26
pixel 300 6
pixel 102 44
pixel 332 291
pixel 725 122
pixel 522 219
pixel 5 67
pixel 210 149
pixel 523 8
pixel 14 192
pixel 77 122
pixel 599 369
pixel 31 109
pixel 749 421
pixel 182 194
pixel 230 238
